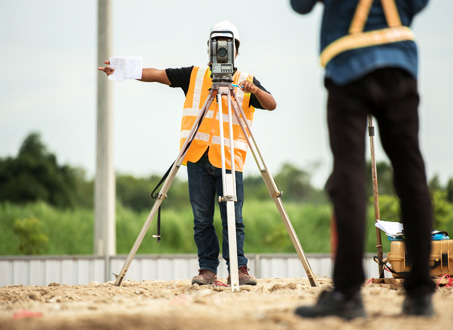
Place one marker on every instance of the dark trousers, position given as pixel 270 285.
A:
pixel 391 96
pixel 205 182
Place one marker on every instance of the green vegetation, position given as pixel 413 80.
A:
pixel 31 238
pixel 68 231
pixel 34 175
pixel 47 208
pixel 71 231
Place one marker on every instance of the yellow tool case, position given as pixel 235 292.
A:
pixel 441 259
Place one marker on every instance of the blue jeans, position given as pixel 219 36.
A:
pixel 205 181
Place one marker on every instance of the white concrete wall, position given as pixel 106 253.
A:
pixel 72 270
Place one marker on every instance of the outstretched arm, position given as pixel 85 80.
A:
pixel 155 75
pixel 148 74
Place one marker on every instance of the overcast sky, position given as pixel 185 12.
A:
pixel 48 72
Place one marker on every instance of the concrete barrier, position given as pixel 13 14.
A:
pixel 75 269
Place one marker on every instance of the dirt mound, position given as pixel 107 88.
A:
pixel 180 305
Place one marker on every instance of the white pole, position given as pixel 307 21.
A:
pixel 229 197
pixel 104 203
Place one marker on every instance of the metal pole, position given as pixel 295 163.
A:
pixel 229 189
pixel 377 216
pixel 104 203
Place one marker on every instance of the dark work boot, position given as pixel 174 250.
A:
pixel 244 277
pixel 418 305
pixel 334 303
pixel 204 277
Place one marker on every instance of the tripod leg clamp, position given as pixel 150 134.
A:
pixel 161 196
pixel 229 198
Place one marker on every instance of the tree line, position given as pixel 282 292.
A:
pixel 34 174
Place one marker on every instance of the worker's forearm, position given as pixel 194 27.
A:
pixel 155 75
pixel 266 100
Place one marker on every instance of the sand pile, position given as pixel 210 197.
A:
pixel 180 305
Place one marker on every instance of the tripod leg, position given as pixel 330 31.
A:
pixel 273 190
pixel 289 227
pixel 377 215
pixel 230 127
pixel 229 197
pixel 232 240
pixel 162 195
pixel 163 192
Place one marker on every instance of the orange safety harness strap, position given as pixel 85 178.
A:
pixel 358 39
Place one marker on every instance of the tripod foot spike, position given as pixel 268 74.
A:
pixel 118 279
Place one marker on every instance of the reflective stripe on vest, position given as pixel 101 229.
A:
pixel 208 134
pixel 358 39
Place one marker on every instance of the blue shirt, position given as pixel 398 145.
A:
pixel 354 64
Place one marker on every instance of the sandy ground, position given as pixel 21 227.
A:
pixel 180 305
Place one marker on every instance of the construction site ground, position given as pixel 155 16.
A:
pixel 179 305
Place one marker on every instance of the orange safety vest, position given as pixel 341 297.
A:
pixel 208 134
pixel 359 39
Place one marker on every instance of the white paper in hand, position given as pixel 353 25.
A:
pixel 126 67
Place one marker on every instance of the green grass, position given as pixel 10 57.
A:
pixel 71 231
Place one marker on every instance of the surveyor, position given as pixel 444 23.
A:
pixel 203 157
pixel 370 61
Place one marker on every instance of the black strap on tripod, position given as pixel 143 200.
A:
pixel 156 195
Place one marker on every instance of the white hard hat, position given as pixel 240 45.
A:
pixel 226 26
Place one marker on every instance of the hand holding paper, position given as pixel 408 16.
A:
pixel 126 67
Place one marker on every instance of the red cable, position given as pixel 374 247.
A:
pixel 449 283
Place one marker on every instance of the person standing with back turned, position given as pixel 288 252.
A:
pixel 370 58
pixel 203 158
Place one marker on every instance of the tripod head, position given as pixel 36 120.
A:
pixel 221 56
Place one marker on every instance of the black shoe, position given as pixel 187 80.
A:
pixel 334 303
pixel 418 305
